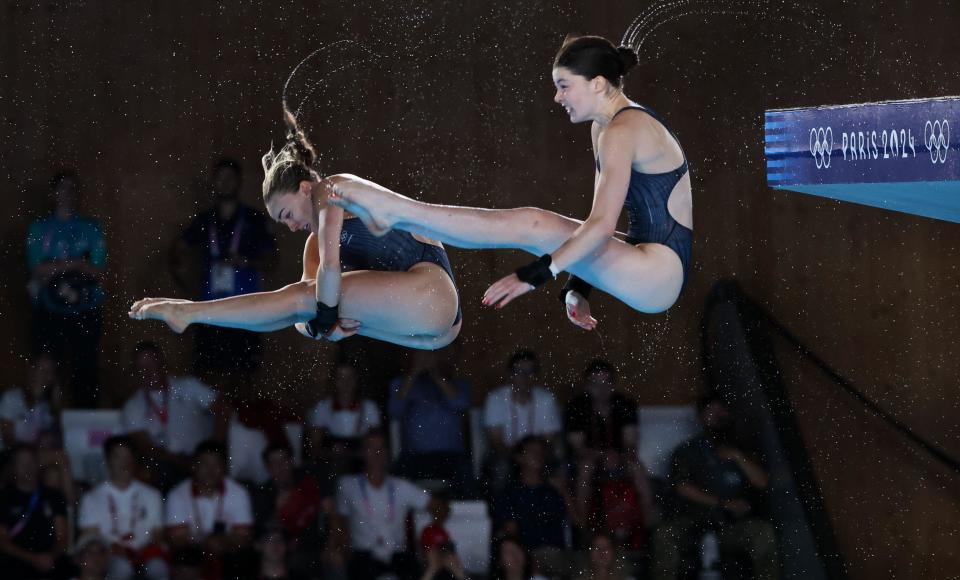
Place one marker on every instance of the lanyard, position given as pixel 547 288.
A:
pixel 234 238
pixel 514 416
pixel 217 517
pixel 391 498
pixel 115 516
pixel 162 412
pixel 34 421
pixel 47 242
pixel 22 523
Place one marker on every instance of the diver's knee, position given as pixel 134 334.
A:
pixel 301 295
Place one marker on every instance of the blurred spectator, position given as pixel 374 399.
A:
pixel 435 534
pixel 256 411
pixel 603 562
pixel 443 563
pixel 373 509
pixel 235 249
pixel 339 422
pixel 533 509
pixel 511 561
pixel 613 488
pixel 31 416
pixel 168 416
pixel 430 404
pixel 717 486
pixel 439 551
pixel 66 254
pixel 293 505
pixel 127 514
pixel 273 548
pixel 91 557
pixel 212 511
pixel 27 413
pixel 33 522
pixel 186 563
pixel 515 411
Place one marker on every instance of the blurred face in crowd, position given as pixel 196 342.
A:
pixel 715 417
pixel 512 557
pixel 440 510
pixel 426 360
pixel 43 376
pixel 346 383
pixel 26 468
pixel 375 455
pixel 273 547
pixel 532 456
pixel 601 553
pixel 122 463
pixel 226 184
pixel 523 374
pixel 209 470
pixel 150 369
pixel 280 467
pixel 600 385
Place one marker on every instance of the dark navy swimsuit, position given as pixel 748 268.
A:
pixel 649 219
pixel 395 252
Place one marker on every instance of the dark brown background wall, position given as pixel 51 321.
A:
pixel 142 96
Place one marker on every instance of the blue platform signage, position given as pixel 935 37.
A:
pixel 898 155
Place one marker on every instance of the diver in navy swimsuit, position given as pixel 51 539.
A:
pixel 640 167
pixel 397 288
pixel 649 218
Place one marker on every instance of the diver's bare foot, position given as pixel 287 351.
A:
pixel 169 311
pixel 373 204
pixel 145 301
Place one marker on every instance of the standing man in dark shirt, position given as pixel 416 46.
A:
pixel 235 250
pixel 717 487
pixel 33 522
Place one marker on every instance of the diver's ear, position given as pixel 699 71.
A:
pixel 599 84
pixel 306 187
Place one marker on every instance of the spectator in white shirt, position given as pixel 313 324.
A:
pixel 127 514
pixel 169 415
pixel 514 411
pixel 26 414
pixel 339 422
pixel 30 416
pixel 212 511
pixel 373 508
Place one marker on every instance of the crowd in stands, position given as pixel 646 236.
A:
pixel 356 490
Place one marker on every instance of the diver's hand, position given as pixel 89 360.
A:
pixel 504 290
pixel 344 328
pixel 578 311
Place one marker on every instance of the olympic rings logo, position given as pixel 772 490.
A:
pixel 936 136
pixel 821 146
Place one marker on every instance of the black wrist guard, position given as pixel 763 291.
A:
pixel 324 321
pixel 537 272
pixel 578 286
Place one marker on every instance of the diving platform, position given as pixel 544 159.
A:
pixel 897 155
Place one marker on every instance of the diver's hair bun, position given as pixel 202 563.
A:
pixel 628 58
pixel 301 150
